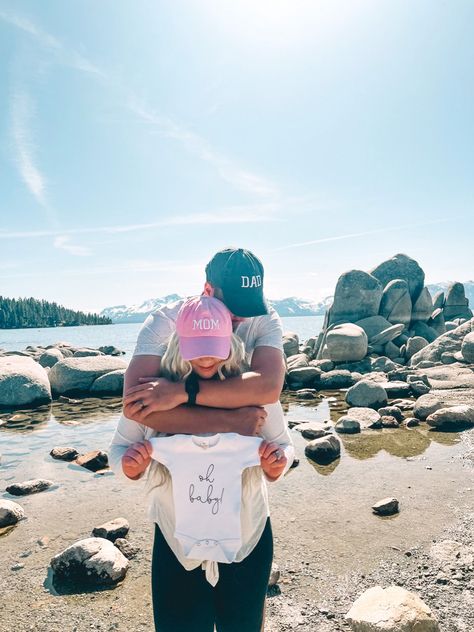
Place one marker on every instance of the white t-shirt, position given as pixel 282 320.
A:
pixel 255 332
pixel 206 472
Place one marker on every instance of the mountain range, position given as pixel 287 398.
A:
pixel 291 306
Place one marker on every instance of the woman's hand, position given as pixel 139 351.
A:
pixel 136 459
pixel 153 394
pixel 272 459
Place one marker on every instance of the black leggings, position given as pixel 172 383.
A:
pixel 184 601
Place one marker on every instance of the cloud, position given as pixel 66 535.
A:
pixel 197 145
pixel 376 231
pixel 62 242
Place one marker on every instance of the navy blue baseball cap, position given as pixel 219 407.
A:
pixel 239 274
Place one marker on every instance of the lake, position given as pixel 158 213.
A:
pixel 123 336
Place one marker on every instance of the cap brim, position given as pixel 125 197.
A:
pixel 204 346
pixel 247 309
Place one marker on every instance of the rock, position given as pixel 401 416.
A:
pixel 111 383
pixel 415 344
pixel 323 365
pixel 403 404
pixel 386 507
pixel 423 330
pixel 297 361
pixel 394 411
pixel 423 307
pixel 387 335
pixel 357 295
pixel 85 353
pixel 111 350
pixel 392 609
pixel 116 528
pixel 323 451
pixel 346 425
pixel 32 486
pixel 126 548
pixel 368 418
pixel 94 460
pixel 367 395
pixel 64 453
pixel 437 322
pixel 312 429
pixel 10 512
pixel 78 374
pixel 467 347
pixel 411 422
pixel 23 382
pixel 401 267
pixel 456 304
pixel 446 376
pixel 306 393
pixel 438 300
pixel 394 388
pixel 274 576
pixel 383 364
pixel 92 562
pixel 396 305
pixel 448 358
pixel 291 343
pixel 373 326
pixel 452 418
pixel 346 343
pixel 419 388
pixel 363 366
pixel 50 357
pixel 306 375
pixel 336 379
pixel 392 351
pixel 388 421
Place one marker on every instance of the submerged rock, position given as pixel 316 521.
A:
pixel 32 486
pixel 452 418
pixel 10 512
pixel 323 451
pixel 366 394
pixel 94 460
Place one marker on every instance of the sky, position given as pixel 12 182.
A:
pixel 138 138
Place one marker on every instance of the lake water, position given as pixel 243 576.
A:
pixel 123 336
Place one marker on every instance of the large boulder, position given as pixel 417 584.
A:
pixel 347 343
pixel 396 304
pixel 452 418
pixel 415 344
pixel 75 375
pixel 92 562
pixel 10 512
pixel 324 450
pixel 427 404
pixel 391 609
pixel 467 348
pixel 110 383
pixel 291 343
pixel 366 394
pixel 456 304
pixel 401 267
pixel 357 296
pixel 50 357
pixel 423 307
pixel 23 382
pixel 450 341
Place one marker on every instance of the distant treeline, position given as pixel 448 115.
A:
pixel 30 312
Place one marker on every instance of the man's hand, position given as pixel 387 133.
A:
pixel 153 395
pixel 248 420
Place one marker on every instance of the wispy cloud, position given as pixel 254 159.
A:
pixel 231 215
pixel 365 233
pixel 62 242
pixel 197 145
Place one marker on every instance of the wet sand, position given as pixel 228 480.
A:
pixel 328 544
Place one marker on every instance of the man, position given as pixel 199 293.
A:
pixel 234 276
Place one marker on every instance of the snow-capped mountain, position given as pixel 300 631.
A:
pixel 291 306
pixel 443 286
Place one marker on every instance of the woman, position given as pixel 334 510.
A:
pixel 192 594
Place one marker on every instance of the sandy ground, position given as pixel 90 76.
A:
pixel 328 544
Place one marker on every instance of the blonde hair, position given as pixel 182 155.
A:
pixel 176 369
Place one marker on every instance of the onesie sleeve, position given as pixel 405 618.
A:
pixel 251 456
pixel 127 432
pixel 164 448
pixel 275 430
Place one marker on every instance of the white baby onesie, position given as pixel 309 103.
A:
pixel 206 472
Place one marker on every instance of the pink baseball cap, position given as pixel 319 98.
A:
pixel 204 328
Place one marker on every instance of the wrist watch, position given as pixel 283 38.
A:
pixel 191 386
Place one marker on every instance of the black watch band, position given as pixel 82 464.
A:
pixel 191 386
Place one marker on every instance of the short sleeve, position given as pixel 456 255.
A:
pixel 164 448
pixel 269 331
pixel 154 335
pixel 249 447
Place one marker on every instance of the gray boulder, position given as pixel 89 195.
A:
pixel 396 304
pixel 23 382
pixel 467 348
pixel 32 486
pixel 291 343
pixel 305 376
pixel 78 374
pixel 92 562
pixel 10 512
pixel 401 267
pixel 451 342
pixel 50 357
pixel 423 307
pixel 387 335
pixel 339 378
pixel 346 425
pixel 415 344
pixel 456 304
pixel 347 343
pixel 110 383
pixel 357 295
pixel 452 418
pixel 438 300
pixel 373 326
pixel 368 418
pixel 324 450
pixel 297 361
pixel 367 395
